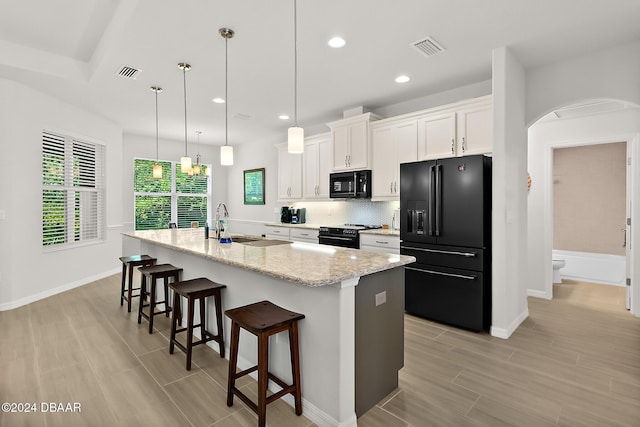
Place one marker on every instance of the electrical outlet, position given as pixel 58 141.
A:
pixel 381 298
pixel 3 214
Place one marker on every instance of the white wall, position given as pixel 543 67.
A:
pixel 26 272
pixel 543 137
pixel 509 186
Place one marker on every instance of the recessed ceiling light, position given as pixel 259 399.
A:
pixel 402 79
pixel 337 42
pixel 283 117
pixel 218 100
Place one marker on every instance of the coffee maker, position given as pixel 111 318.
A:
pixel 298 215
pixel 285 215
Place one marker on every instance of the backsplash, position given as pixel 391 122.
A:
pixel 353 211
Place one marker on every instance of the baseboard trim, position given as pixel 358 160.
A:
pixel 54 291
pixel 506 333
pixel 538 294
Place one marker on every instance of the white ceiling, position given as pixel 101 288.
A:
pixel 72 49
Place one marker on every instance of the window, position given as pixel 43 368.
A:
pixel 175 198
pixel 72 191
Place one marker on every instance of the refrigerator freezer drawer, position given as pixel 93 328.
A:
pixel 446 256
pixel 452 296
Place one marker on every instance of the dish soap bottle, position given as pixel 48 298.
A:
pixel 225 237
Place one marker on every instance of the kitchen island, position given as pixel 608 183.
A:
pixel 351 341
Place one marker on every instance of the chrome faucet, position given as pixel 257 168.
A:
pixel 225 214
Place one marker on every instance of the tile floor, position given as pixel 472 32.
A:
pixel 574 362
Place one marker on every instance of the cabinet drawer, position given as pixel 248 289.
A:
pixel 304 234
pixel 389 244
pixel 278 233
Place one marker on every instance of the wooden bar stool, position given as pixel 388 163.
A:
pixel 132 261
pixel 192 290
pixel 153 273
pixel 264 319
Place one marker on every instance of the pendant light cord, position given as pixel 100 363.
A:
pixel 226 90
pixel 184 79
pixel 156 91
pixel 295 64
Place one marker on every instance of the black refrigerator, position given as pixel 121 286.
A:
pixel 445 211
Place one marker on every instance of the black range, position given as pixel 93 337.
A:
pixel 346 236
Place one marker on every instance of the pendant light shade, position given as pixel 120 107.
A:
pixel 157 169
pixel 296 140
pixel 226 155
pixel 185 161
pixel 295 144
pixel 226 151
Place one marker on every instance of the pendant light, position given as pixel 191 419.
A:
pixel 185 162
pixel 295 138
pixel 226 151
pixel 196 167
pixel 157 168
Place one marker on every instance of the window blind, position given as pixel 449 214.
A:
pixel 72 190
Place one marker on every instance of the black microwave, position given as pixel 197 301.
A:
pixel 350 185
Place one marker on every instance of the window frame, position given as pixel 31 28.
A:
pixel 77 230
pixel 173 194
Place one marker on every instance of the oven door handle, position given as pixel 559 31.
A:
pixel 335 238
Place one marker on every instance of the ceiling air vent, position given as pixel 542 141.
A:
pixel 128 72
pixel 428 46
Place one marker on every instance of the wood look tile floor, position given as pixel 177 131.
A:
pixel 574 362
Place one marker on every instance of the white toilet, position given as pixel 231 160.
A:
pixel 558 263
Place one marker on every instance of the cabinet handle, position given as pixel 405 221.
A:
pixel 345 161
pixel 391 186
pixel 395 186
pixel 452 146
pixel 304 234
pixel 463 147
pixel 349 160
pixel 381 243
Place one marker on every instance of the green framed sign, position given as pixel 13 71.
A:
pixel 254 187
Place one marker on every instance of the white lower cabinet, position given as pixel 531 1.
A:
pixel 278 233
pixel 380 243
pixel 307 235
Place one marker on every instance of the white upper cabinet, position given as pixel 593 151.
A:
pixel 350 139
pixel 464 129
pixel 317 162
pixel 392 144
pixel 289 174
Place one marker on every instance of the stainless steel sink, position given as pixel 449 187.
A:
pixel 260 242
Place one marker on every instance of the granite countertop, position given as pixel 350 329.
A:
pixel 382 232
pixel 289 225
pixel 307 264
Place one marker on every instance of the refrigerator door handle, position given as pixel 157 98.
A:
pixel 432 197
pixel 438 198
pixel 437 251
pixel 440 273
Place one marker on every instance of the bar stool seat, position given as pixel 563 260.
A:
pixel 130 262
pixel 192 290
pixel 153 273
pixel 264 319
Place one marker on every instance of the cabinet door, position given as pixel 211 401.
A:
pixel 289 174
pixel 358 146
pixel 310 167
pixel 324 167
pixel 406 147
pixel 340 136
pixel 475 130
pixel 383 173
pixel 436 136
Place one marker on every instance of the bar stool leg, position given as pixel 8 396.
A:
pixel 190 314
pixel 263 377
pixel 174 321
pixel 295 365
pixel 124 275
pixel 233 361
pixel 217 297
pixel 203 317
pixel 130 290
pixel 167 307
pixel 143 293
pixel 152 303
